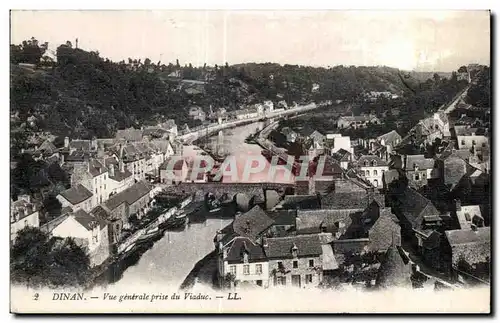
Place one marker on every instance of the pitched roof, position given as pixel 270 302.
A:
pixel 454 169
pixel 87 221
pixel 284 217
pixel 129 195
pixel 76 194
pixel 301 202
pixel 80 144
pixel 465 131
pixel 96 168
pixel 281 248
pixel 390 137
pixel 241 245
pixel 345 200
pixel 312 221
pixel 341 155
pixel 47 146
pixel 391 175
pixel 414 206
pixel 367 160
pixel 329 261
pixel 343 246
pixel 252 223
pixel 420 161
pixel 393 272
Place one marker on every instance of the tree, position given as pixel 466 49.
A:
pixel 26 239
pixel 147 62
pixel 177 63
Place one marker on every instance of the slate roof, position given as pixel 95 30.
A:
pixel 77 156
pixel 312 221
pixel 367 160
pixel 329 261
pixel 420 161
pixel 87 221
pixel 281 248
pixel 129 195
pixel 341 155
pixel 414 207
pixel 24 208
pixel 96 168
pixel 345 200
pixel 390 137
pixel 391 175
pixel 301 202
pixel 76 194
pixel 465 131
pixel 47 146
pixel 284 217
pixel 343 246
pixel 239 246
pixel 331 168
pixel 252 223
pixel 120 176
pixel 454 169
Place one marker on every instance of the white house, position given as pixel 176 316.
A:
pixel 372 169
pixel 87 231
pixel 244 260
pixel 336 142
pixel 23 213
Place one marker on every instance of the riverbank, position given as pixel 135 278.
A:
pixel 203 272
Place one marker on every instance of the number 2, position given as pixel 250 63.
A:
pixel 35 297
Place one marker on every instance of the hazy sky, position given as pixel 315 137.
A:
pixel 424 40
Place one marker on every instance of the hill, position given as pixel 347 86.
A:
pixel 84 95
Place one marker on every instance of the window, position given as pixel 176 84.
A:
pixel 473 142
pixel 374 163
pixel 258 269
pixel 281 280
pixel 280 265
pixel 367 173
pixel 311 263
pixel 375 173
pixel 417 177
pixel 246 269
pixel 483 144
pixel 25 223
pixel 424 175
pixel 362 172
pixel 375 183
pixel 467 217
pixel 463 142
pixel 309 279
pixel 295 264
pixel 104 176
pixel 232 270
pixel 366 163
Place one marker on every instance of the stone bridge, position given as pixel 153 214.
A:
pixel 219 189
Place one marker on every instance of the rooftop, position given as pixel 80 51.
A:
pixel 281 248
pixel 76 194
pixel 252 223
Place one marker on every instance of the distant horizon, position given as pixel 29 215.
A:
pixel 412 41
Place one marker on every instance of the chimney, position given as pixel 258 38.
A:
pixel 94 143
pixel 458 205
pixel 88 165
pixel 61 159
pixel 66 142
pixel 112 170
pixel 122 166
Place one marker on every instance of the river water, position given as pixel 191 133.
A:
pixel 170 259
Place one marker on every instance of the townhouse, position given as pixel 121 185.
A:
pixel 372 168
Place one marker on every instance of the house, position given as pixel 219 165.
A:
pixel 173 170
pixel 468 137
pixel 284 223
pixel 467 248
pixel 415 213
pixel 342 157
pixel 268 106
pixel 295 261
pixel 372 169
pixel 247 114
pixel 23 213
pixel 390 139
pixel 197 113
pixel 356 121
pixel 337 142
pixel 252 224
pixel 76 197
pixel 294 202
pixel 89 232
pixel 331 221
pixel 291 135
pixel 94 176
pixel 119 178
pixel 419 170
pixel 245 261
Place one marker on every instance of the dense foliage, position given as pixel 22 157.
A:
pixel 85 95
pixel 38 260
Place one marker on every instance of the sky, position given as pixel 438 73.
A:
pixel 409 40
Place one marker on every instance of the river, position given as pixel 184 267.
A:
pixel 170 259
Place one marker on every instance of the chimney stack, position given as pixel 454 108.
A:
pixel 112 170
pixel 66 142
